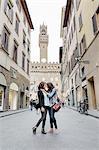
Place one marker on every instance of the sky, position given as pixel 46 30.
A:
pixel 49 12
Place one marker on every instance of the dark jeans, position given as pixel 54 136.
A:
pixel 42 119
pixel 52 118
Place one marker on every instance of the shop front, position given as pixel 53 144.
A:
pixel 3 86
pixel 13 96
pixel 78 94
pixel 27 93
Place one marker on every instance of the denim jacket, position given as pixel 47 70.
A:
pixel 52 97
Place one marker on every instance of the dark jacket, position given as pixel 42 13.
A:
pixel 41 98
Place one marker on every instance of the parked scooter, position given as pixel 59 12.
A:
pixel 82 107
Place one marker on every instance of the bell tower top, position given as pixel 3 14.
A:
pixel 43 44
pixel 43 29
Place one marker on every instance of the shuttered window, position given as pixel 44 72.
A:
pixel 23 61
pixel 17 25
pixel 8 9
pixel 18 5
pixel 95 21
pixel 15 52
pixel 24 38
pixel 28 46
pixel 5 39
pixel 27 66
pixel 77 3
pixel 94 24
pixel 83 45
pixel 80 22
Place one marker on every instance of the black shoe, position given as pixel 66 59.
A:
pixel 34 130
pixel 43 132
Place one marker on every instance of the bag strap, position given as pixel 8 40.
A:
pixel 52 95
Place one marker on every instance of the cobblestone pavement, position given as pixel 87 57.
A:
pixel 76 132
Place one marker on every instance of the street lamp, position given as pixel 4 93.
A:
pixel 97 65
pixel 78 59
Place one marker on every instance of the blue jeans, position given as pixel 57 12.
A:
pixel 52 118
pixel 42 119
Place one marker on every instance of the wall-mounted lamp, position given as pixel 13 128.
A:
pixel 82 61
pixel 97 65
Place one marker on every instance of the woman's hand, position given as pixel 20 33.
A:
pixel 42 109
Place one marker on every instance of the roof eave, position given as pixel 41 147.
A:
pixel 68 5
pixel 25 8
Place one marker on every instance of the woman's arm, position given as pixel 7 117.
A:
pixel 51 94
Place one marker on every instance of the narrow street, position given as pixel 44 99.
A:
pixel 76 132
pixel 49 54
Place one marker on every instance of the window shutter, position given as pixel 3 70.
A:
pixel 94 24
pixel 12 15
pixel 84 42
pixel 80 21
pixel 80 47
pixel 6 45
pixel 5 5
pixel 2 37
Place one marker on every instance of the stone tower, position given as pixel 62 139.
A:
pixel 43 44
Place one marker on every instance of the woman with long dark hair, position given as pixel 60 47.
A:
pixel 43 105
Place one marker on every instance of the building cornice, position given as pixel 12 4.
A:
pixel 68 5
pixel 25 8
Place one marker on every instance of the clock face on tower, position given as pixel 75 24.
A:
pixel 43 60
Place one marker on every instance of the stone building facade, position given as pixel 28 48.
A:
pixel 88 39
pixel 70 50
pixel 44 71
pixel 82 69
pixel 15 28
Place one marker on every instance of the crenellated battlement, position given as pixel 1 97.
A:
pixel 46 67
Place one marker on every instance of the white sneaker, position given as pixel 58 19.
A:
pixel 51 130
pixel 56 131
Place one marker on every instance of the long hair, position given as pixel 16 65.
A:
pixel 41 85
pixel 50 86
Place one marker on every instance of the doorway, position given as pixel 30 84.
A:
pixel 1 97
pixel 21 99
pixel 92 93
pixel 73 101
pixel 85 96
pixel 13 96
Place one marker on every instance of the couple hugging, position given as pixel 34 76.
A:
pixel 47 95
